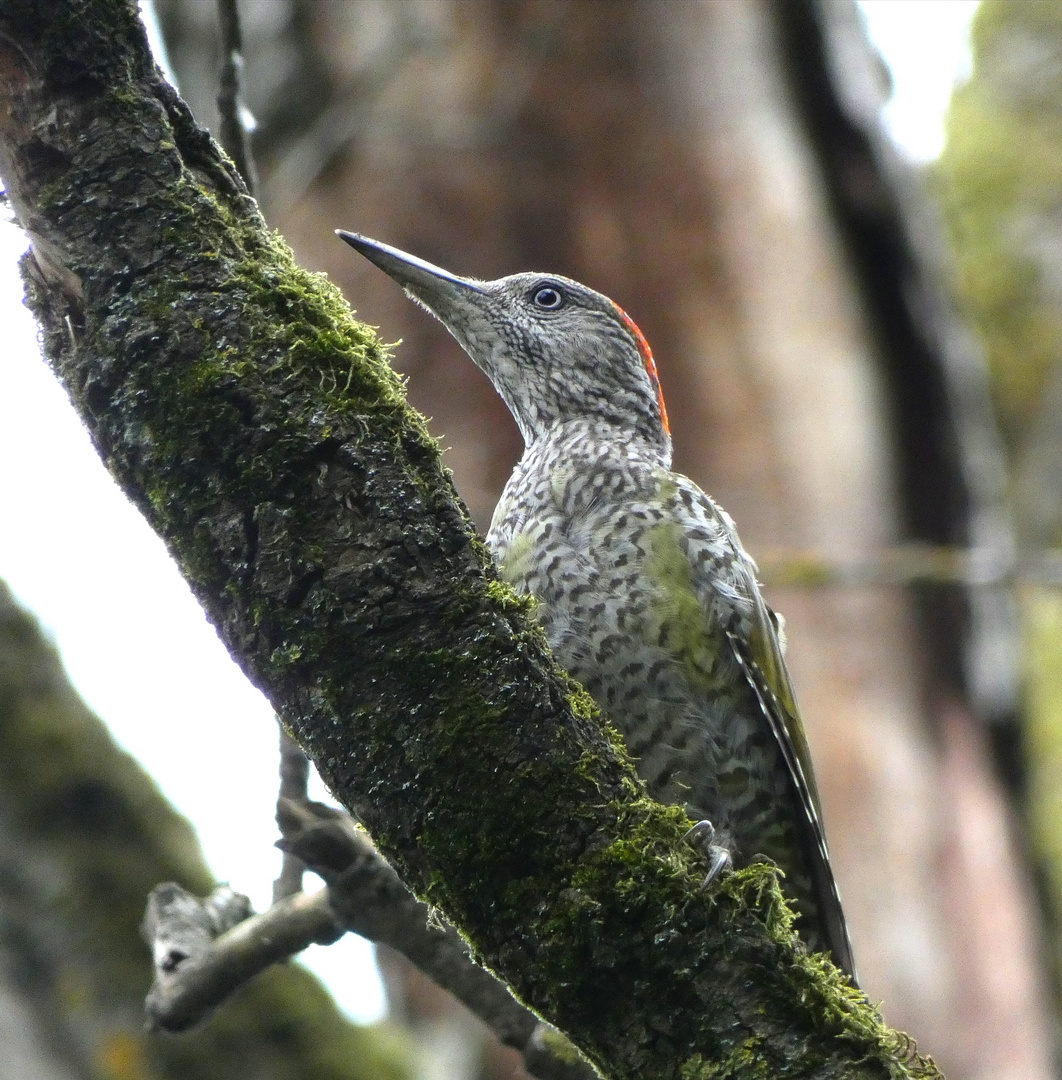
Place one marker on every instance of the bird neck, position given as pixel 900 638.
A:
pixel 576 437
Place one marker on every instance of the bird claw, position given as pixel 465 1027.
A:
pixel 703 832
pixel 720 862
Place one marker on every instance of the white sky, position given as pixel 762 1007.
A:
pixel 926 44
pixel 136 644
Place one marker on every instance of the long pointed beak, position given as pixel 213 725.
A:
pixel 428 283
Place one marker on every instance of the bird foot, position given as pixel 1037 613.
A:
pixel 703 833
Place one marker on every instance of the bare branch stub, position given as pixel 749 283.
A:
pixel 206 949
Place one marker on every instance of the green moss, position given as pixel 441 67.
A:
pixel 508 599
pixel 745 1060
pixel 560 1047
pixel 584 707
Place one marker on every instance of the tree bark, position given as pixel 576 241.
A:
pixel 262 434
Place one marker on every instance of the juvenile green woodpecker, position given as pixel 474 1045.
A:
pixel 644 590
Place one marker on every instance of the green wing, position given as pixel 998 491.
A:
pixel 759 652
pixel 771 678
pixel 760 656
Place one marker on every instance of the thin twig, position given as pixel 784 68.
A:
pixel 294 776
pixel 914 564
pixel 233 129
pixel 201 959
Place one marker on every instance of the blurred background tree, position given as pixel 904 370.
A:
pixel 999 181
pixel 719 169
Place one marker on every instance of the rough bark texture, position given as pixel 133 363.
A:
pixel 261 432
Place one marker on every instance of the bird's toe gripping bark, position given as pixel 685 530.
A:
pixel 703 834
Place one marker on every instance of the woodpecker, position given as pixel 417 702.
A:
pixel 643 588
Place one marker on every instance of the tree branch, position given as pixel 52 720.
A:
pixel 368 898
pixel 202 953
pixel 206 949
pixel 912 565
pixel 261 432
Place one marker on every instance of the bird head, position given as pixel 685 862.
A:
pixel 555 350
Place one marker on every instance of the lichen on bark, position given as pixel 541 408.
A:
pixel 260 430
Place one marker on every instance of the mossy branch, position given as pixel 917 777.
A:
pixel 260 430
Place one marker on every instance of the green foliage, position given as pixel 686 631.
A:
pixel 1043 734
pixel 1000 184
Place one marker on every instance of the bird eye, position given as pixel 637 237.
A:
pixel 547 297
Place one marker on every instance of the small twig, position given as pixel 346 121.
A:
pixel 233 129
pixel 369 899
pixel 914 564
pixel 294 776
pixel 365 896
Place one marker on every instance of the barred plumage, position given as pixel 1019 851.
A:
pixel 644 590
